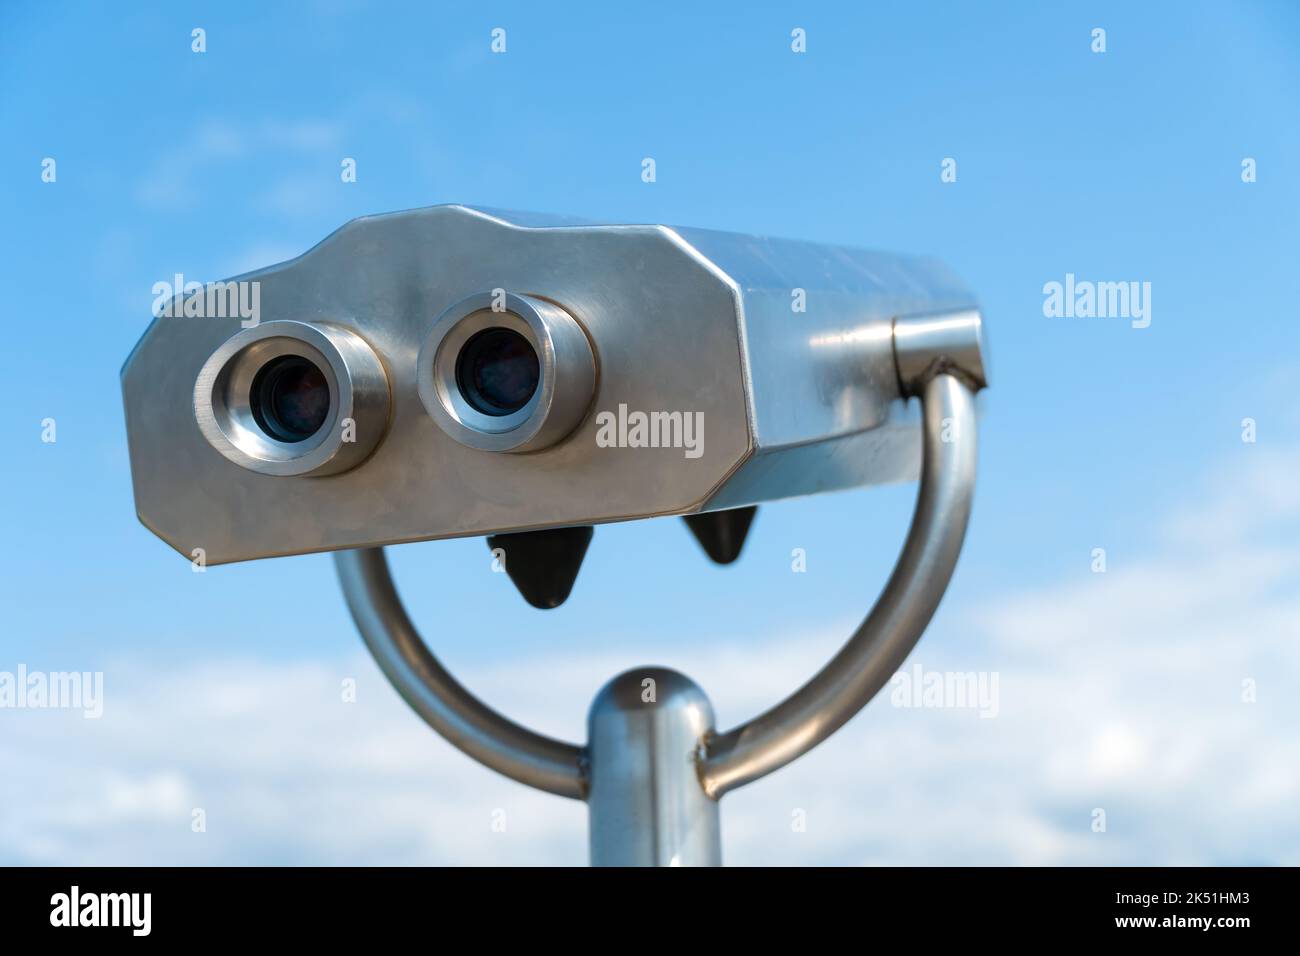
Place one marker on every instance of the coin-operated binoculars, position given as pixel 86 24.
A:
pixel 449 371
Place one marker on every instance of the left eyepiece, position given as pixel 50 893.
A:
pixel 293 398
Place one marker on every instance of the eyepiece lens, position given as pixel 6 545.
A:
pixel 290 398
pixel 497 371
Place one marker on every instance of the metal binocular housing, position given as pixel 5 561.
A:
pixel 672 371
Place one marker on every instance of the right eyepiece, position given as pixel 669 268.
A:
pixel 506 372
pixel 497 371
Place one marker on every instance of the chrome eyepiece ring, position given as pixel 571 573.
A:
pixel 506 372
pixel 293 398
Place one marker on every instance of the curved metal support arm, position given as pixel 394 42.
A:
pixel 879 646
pixel 771 740
pixel 447 707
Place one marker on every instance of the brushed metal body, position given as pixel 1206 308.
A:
pixel 679 319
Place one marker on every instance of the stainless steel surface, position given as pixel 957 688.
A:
pixel 938 341
pixel 566 381
pixel 435 695
pixel 647 805
pixel 825 403
pixel 879 646
pixel 680 321
pixel 359 399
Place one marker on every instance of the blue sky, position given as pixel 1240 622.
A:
pixel 1124 165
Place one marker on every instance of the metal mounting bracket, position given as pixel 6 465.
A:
pixel 653 771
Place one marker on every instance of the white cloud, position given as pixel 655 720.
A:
pixel 1120 691
pixel 304 135
pixel 175 179
pixel 300 194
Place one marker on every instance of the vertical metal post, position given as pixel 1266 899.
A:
pixel 647 804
